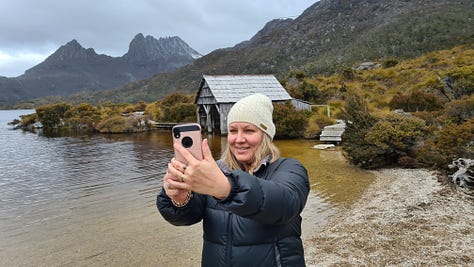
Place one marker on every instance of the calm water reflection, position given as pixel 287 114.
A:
pixel 89 200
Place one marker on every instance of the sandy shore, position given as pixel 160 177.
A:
pixel 405 218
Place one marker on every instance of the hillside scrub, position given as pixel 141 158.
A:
pixel 412 113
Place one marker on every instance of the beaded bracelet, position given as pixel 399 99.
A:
pixel 184 203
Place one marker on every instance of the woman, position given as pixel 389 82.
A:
pixel 250 200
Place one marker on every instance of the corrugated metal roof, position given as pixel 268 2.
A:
pixel 231 88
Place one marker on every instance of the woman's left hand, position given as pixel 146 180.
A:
pixel 200 176
pixel 177 193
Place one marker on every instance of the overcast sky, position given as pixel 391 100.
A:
pixel 31 30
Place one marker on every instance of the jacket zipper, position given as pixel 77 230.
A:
pixel 229 240
pixel 277 254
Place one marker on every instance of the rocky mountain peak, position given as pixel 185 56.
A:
pixel 72 50
pixel 66 55
pixel 146 49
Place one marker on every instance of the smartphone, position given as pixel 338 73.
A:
pixel 189 136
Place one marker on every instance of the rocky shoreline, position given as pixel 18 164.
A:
pixel 405 218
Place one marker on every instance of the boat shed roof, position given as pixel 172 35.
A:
pixel 231 88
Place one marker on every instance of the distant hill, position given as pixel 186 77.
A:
pixel 326 37
pixel 72 68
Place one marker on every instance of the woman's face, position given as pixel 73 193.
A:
pixel 243 140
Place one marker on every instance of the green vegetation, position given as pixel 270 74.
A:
pixel 50 116
pixel 289 122
pixel 433 96
pixel 178 107
pixel 410 113
pixel 112 118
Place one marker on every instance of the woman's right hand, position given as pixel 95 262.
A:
pixel 203 176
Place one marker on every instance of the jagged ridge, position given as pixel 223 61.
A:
pixel 73 68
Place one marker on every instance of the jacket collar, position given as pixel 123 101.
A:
pixel 225 169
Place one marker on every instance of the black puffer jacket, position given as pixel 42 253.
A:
pixel 259 224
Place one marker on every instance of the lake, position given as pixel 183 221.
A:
pixel 90 200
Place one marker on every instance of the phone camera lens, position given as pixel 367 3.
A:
pixel 187 142
pixel 176 133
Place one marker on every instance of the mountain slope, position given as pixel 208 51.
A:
pixel 328 36
pixel 72 68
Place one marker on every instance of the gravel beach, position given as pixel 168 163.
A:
pixel 405 218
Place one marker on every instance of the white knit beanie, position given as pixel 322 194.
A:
pixel 256 109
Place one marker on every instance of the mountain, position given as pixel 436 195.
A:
pixel 328 36
pixel 72 68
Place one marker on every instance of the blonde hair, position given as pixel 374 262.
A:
pixel 266 149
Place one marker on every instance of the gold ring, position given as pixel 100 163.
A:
pixel 181 178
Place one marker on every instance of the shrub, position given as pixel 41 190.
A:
pixel 348 74
pixel 407 162
pixel 456 141
pixel 153 111
pixel 14 122
pixel 450 143
pixel 316 123
pixel 397 133
pixel 180 112
pixel 389 63
pixel 140 106
pixel 373 143
pixel 458 111
pixel 416 101
pixel 114 124
pixel 359 121
pixel 289 122
pixel 82 117
pixel 51 115
pixel 174 99
pixel 429 155
pixel 29 119
pixel 461 80
pixel 307 91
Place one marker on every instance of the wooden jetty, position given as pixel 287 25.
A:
pixel 162 125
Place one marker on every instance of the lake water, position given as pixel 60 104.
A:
pixel 90 200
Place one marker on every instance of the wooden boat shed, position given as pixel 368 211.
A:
pixel 217 94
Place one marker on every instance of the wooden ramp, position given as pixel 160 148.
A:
pixel 333 133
